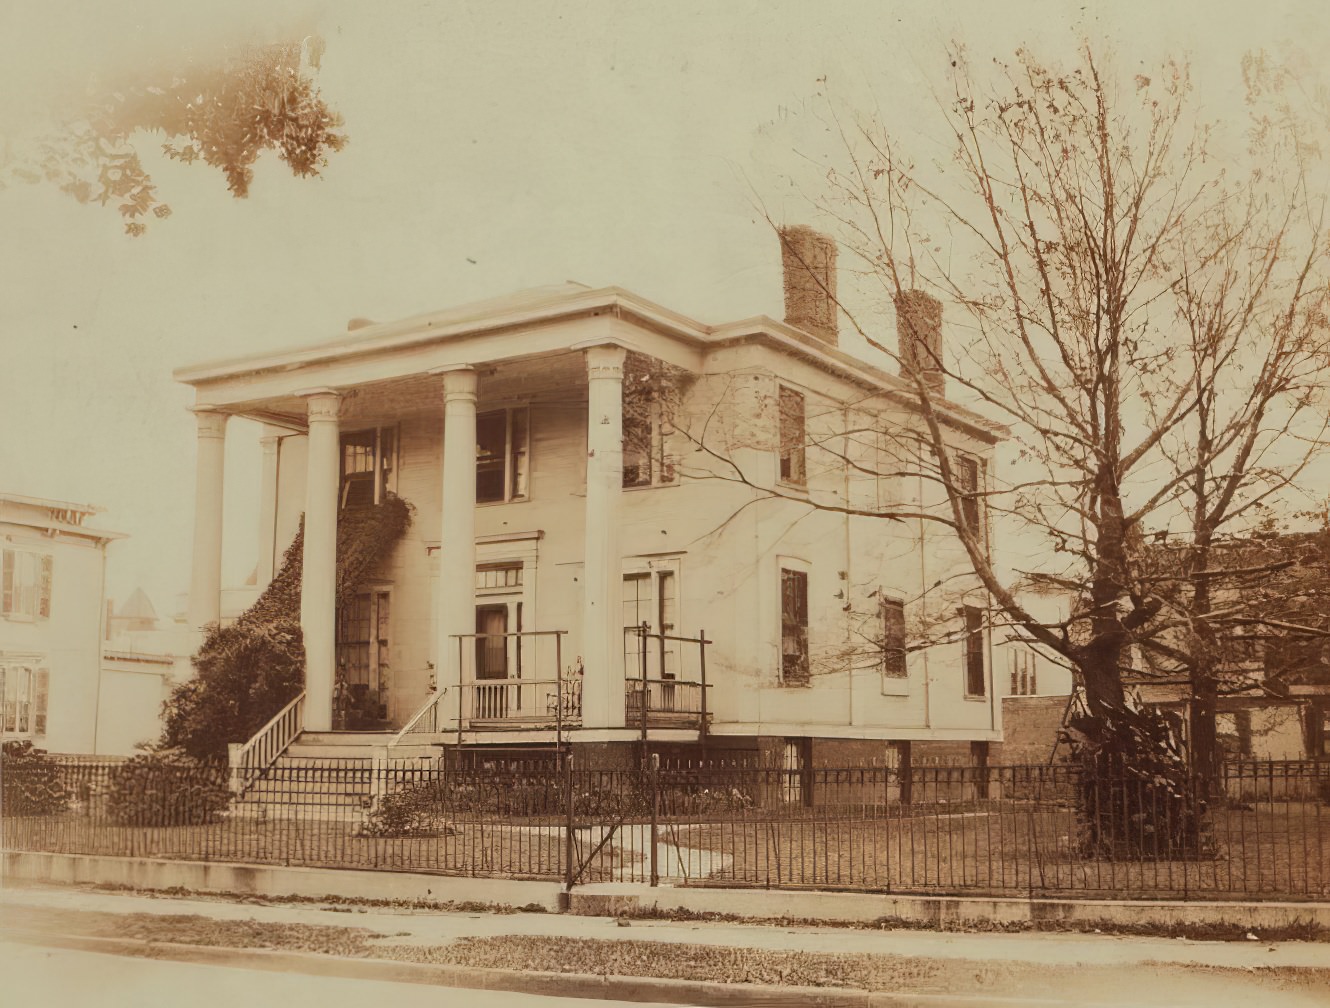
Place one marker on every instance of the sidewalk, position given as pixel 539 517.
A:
pixel 670 962
pixel 428 927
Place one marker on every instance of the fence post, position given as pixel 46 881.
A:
pixel 568 872
pixel 906 771
pixel 655 816
pixel 233 761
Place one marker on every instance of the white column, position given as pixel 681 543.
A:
pixel 457 534
pixel 318 581
pixel 205 585
pixel 602 577
pixel 268 511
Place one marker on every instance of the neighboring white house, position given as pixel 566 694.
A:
pixel 143 656
pixel 585 461
pixel 52 572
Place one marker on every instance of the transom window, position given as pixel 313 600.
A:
pixel 502 448
pixel 368 460
pixel 24 691
pixel 793 438
pixel 25 584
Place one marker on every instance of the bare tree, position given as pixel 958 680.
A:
pixel 1148 318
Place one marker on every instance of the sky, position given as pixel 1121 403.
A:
pixel 493 146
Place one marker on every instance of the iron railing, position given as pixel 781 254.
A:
pixel 1261 831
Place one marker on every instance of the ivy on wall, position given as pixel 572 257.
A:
pixel 250 670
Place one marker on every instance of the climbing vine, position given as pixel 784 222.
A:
pixel 250 670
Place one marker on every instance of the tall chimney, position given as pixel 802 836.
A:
pixel 919 337
pixel 808 259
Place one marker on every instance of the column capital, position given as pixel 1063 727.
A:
pixel 211 422
pixel 460 381
pixel 604 360
pixel 321 403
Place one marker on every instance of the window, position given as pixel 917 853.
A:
pixel 974 651
pixel 794 666
pixel 646 431
pixel 793 435
pixel 24 692
pixel 968 483
pixel 25 584
pixel 1023 681
pixel 794 767
pixel 893 639
pixel 363 481
pixel 499 621
pixel 502 439
pixel 362 653
pixel 651 598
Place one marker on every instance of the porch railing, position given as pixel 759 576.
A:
pixel 250 759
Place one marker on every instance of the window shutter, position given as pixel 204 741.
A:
pixel 41 690
pixel 44 589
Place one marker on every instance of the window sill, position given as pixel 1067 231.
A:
pixel 798 491
pixel 650 486
pixel 976 697
pixel 501 503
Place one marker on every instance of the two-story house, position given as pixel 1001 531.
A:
pixel 52 579
pixel 629 527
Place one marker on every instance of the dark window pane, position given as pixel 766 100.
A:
pixel 792 437
pixel 893 638
pixel 974 651
pixel 794 627
pixel 491 454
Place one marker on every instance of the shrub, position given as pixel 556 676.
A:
pixel 419 811
pixel 30 781
pixel 167 788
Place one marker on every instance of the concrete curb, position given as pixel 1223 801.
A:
pixel 614 899
pixel 581 985
pixel 275 880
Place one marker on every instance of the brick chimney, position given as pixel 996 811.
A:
pixel 808 259
pixel 919 336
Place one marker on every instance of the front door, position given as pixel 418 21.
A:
pixel 362 661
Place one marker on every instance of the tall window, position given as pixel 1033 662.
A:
pixel 646 431
pixel 368 457
pixel 893 639
pixel 24 691
pixel 968 483
pixel 974 651
pixel 502 447
pixel 794 665
pixel 25 584
pixel 793 437
pixel 362 652
pixel 651 598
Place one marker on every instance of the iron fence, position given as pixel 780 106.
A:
pixel 1263 830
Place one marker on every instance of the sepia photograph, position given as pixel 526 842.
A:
pixel 743 503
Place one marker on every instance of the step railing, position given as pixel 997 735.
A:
pixel 428 720
pixel 250 760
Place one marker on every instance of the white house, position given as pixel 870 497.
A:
pixel 598 484
pixel 52 573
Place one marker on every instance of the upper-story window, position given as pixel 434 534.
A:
pixel 25 584
pixel 646 431
pixel 969 484
pixel 793 437
pixel 368 461
pixel 975 677
pixel 502 453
